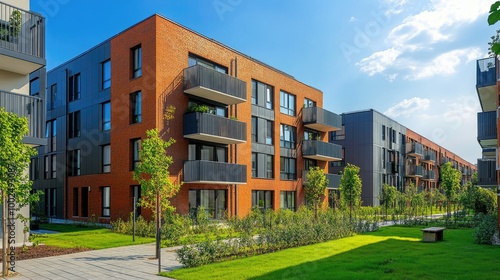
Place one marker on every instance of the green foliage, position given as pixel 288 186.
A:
pixel 152 172
pixel 350 187
pixel 494 17
pixel 450 183
pixel 197 108
pixel 484 231
pixel 485 201
pixel 315 187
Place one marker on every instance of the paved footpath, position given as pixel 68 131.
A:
pixel 129 262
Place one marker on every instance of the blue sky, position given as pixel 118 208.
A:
pixel 413 60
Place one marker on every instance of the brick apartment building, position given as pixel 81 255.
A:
pixel 262 131
pixel 389 153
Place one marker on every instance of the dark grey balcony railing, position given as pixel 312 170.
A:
pixel 333 179
pixel 429 174
pixel 213 172
pixel 429 156
pixel 204 77
pixel 311 148
pixel 416 171
pixel 486 172
pixel 30 107
pixel 487 126
pixel 323 119
pixel 228 130
pixel 22 31
pixel 415 148
pixel 486 72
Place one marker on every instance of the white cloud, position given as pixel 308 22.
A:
pixel 379 61
pixel 395 6
pixel 408 106
pixel 353 19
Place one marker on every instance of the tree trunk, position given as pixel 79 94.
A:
pixel 4 235
pixel 158 230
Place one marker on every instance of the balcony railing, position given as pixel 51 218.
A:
pixel 414 149
pixel 30 107
pixel 212 128
pixel 487 129
pixel 324 151
pixel 333 179
pixel 429 157
pixel 486 172
pixel 320 119
pixel 22 34
pixel 486 72
pixel 213 172
pixel 414 171
pixel 429 175
pixel 212 85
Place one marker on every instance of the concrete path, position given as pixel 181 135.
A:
pixel 129 262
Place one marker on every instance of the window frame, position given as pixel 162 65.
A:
pixel 105 72
pixel 135 154
pixel 136 61
pixel 285 100
pixel 74 124
pixel 105 201
pixel 286 172
pixel 106 165
pixel 106 121
pixel 136 107
pixel 291 132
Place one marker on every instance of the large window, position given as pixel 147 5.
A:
pixel 287 200
pixel 339 134
pixel 51 202
pixel 35 87
pixel 135 147
pixel 212 109
pixel 85 201
pixel 287 103
pixel 262 200
pixel 311 135
pixel 34 169
pixel 210 152
pixel 106 159
pixel 212 201
pixel 106 201
pixel 196 60
pixel 269 166
pixel 254 165
pixel 287 136
pixel 136 107
pixel 106 116
pixel 51 133
pixel 75 202
pixel 53 96
pixel 74 163
pixel 262 131
pixel 309 103
pixel 136 62
pixel 262 166
pixel 288 170
pixel 262 94
pixel 53 166
pixel 74 124
pixel 106 74
pixel 75 87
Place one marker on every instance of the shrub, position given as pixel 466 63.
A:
pixel 485 230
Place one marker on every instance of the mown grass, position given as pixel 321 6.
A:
pixel 390 253
pixel 72 236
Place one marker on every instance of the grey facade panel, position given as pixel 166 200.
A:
pixel 262 112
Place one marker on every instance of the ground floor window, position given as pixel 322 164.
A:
pixel 50 202
pixel 136 196
pixel 287 200
pixel 106 201
pixel 85 202
pixel 75 202
pixel 262 200
pixel 213 201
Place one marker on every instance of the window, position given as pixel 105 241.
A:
pixel 269 167
pixel 136 62
pixel 196 60
pixel 85 202
pixel 106 159
pixel 254 165
pixel 287 103
pixel 288 169
pixel 53 96
pixel 50 202
pixel 383 158
pixel 106 116
pixel 106 201
pixel 213 201
pixel 212 109
pixel 309 103
pixel 74 163
pixel 254 129
pixel 46 167
pixel 287 200
pixel 311 135
pixel 287 136
pixel 339 134
pixel 136 196
pixel 74 124
pixel 393 136
pixel 262 94
pixel 309 163
pixel 266 164
pixel 106 74
pixel 136 146
pixel 53 165
pixel 383 132
pixel 210 152
pixel 75 202
pixel 136 107
pixel 75 87
pixel 35 87
pixel 262 200
pixel 34 169
pixel 51 133
pixel 266 132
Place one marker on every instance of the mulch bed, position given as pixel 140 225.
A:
pixel 42 251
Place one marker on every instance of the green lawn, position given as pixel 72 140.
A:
pixel 74 236
pixel 390 253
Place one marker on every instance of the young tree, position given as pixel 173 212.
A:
pixel 153 176
pixel 315 188
pixel 389 195
pixel 450 182
pixel 14 161
pixel 350 188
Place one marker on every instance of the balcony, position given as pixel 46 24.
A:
pixel 22 40
pixel 486 83
pixel 414 171
pixel 333 179
pixel 323 151
pixel 429 157
pixel 429 175
pixel 30 107
pixel 414 149
pixel 212 128
pixel 212 85
pixel 487 129
pixel 486 173
pixel 320 119
pixel 214 172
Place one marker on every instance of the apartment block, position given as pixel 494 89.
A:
pixel 22 51
pixel 389 153
pixel 246 133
